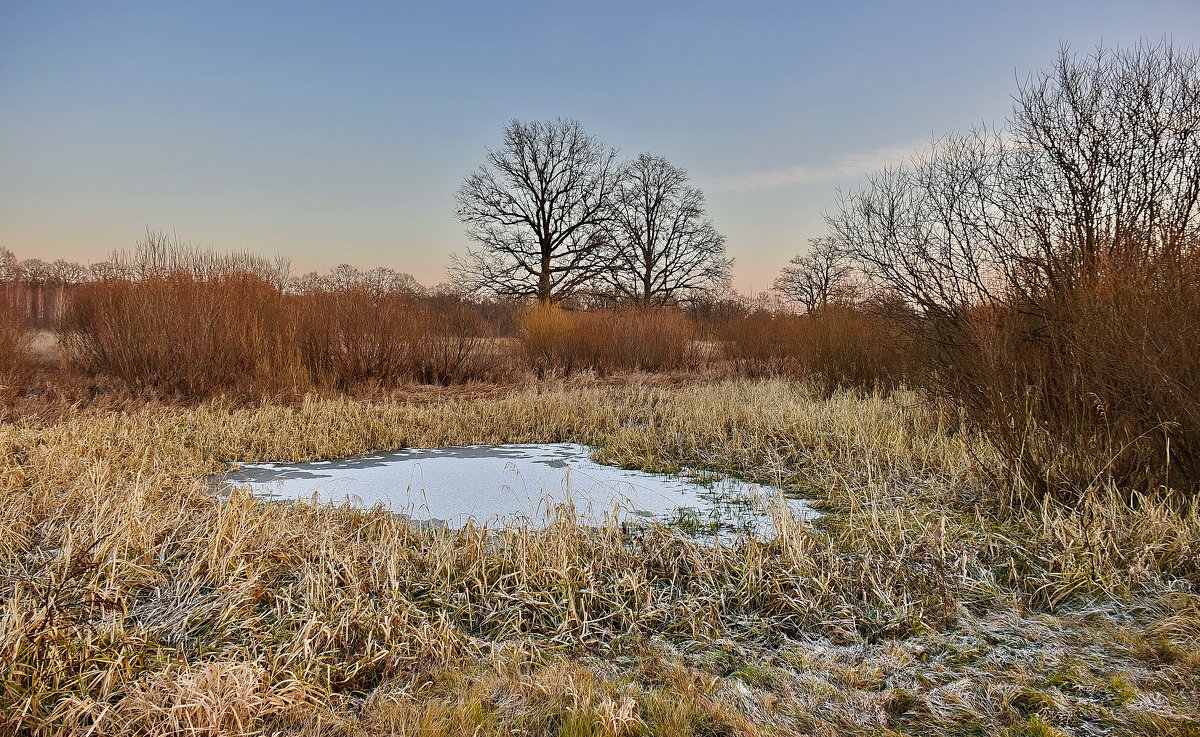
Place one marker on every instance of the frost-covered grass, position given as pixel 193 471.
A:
pixel 132 601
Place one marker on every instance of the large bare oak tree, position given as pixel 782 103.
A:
pixel 536 212
pixel 663 245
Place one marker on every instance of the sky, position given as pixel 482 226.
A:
pixel 339 132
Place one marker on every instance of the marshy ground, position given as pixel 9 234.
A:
pixel 134 601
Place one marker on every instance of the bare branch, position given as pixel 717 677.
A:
pixel 663 248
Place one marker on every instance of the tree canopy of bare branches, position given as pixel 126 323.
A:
pixel 377 281
pixel 536 211
pixel 159 254
pixel 818 277
pixel 663 245
pixel 1105 157
pixel 929 230
pixel 1100 159
pixel 8 265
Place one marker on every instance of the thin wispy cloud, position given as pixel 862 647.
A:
pixel 844 167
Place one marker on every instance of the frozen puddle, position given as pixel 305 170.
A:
pixel 519 484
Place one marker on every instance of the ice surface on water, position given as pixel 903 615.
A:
pixel 503 484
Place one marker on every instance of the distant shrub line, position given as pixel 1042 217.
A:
pixel 197 334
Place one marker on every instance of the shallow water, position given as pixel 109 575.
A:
pixel 519 484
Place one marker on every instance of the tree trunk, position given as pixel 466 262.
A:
pixel 544 280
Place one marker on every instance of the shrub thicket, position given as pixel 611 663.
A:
pixel 554 340
pixel 1095 381
pixel 839 346
pixel 14 353
pixel 181 334
pixel 237 334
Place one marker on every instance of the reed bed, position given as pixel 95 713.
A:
pixel 555 341
pixel 136 602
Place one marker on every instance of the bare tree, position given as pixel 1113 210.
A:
pixel 536 210
pixel 67 273
pixel 10 274
pixel 1100 159
pixel 37 276
pixel 106 270
pixel 818 277
pixel 1105 157
pixel 663 247
pixel 929 231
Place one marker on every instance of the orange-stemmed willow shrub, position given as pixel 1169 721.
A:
pixel 837 346
pixel 761 343
pixel 652 339
pixel 352 336
pixel 1097 379
pixel 237 334
pixel 181 334
pixel 852 346
pixel 452 343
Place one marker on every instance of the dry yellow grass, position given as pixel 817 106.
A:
pixel 132 601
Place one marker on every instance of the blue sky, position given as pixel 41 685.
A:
pixel 339 132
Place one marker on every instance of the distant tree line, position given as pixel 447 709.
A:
pixel 554 215
pixel 39 290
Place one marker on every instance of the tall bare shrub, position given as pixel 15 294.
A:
pixel 353 336
pixel 450 344
pixel 837 346
pixel 761 343
pixel 852 346
pixel 180 334
pixel 1050 272
pixel 638 339
pixel 1101 380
